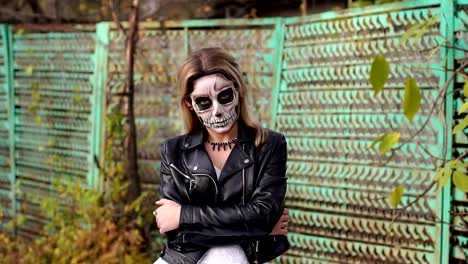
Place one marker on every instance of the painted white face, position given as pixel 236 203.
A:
pixel 215 101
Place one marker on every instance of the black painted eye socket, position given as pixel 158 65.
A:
pixel 203 103
pixel 226 96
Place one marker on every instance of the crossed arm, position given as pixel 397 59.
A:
pixel 258 217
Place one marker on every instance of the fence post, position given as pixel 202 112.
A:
pixel 97 101
pixel 7 37
pixel 447 61
pixel 278 62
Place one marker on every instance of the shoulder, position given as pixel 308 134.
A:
pixel 172 144
pixel 274 140
pixel 274 137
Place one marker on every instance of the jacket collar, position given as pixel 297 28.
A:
pixel 246 134
pixel 198 160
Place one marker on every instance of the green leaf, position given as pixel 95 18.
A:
pixel 379 73
pixel 463 108
pixel 52 142
pixel 378 140
pixel 412 99
pixel 388 141
pixel 419 34
pixel 38 119
pixel 445 177
pixel 395 196
pixel 21 220
pixel 411 31
pixel 461 165
pixel 465 88
pixel 36 96
pixel 77 99
pixel 425 26
pixel 29 69
pixel 462 125
pixel 460 180
pixel 439 174
pixel 453 163
pixel 32 108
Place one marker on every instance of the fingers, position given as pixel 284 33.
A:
pixel 284 218
pixel 279 231
pixel 285 211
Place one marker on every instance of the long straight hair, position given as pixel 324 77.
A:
pixel 214 61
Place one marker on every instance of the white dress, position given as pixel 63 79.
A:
pixel 228 254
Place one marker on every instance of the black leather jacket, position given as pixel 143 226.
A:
pixel 241 207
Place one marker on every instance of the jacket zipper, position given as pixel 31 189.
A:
pixel 192 181
pixel 256 252
pixel 243 181
pixel 209 176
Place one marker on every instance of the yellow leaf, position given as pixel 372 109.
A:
pixel 460 180
pixel 412 99
pixel 29 69
pixel 395 196
pixel 444 179
pixel 465 88
pixel 463 108
pixel 439 173
pixel 387 142
pixel 461 126
pixel 379 73
pixel 37 120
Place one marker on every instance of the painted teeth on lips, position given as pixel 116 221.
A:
pixel 220 123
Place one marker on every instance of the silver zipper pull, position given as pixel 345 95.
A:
pixel 191 184
pixel 256 251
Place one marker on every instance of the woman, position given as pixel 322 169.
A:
pixel 223 183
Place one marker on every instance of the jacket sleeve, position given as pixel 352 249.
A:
pixel 257 217
pixel 167 185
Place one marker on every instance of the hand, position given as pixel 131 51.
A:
pixel 167 215
pixel 281 227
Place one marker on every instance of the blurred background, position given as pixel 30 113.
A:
pixel 87 95
pixel 78 11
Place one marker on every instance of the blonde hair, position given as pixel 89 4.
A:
pixel 214 61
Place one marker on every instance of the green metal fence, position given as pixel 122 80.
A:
pixel 53 115
pixel 331 116
pixel 7 179
pixel 459 235
pixel 309 79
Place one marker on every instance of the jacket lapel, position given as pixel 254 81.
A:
pixel 237 160
pixel 198 160
pixel 200 163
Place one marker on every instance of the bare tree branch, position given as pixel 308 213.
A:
pixel 131 168
pixel 115 17
pixel 440 95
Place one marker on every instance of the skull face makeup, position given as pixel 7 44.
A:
pixel 215 101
